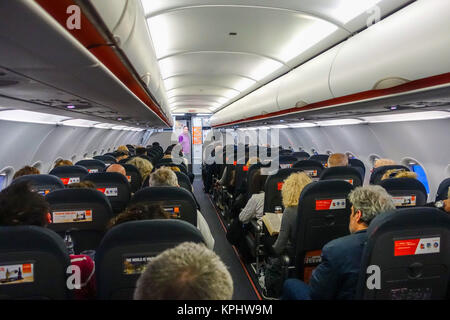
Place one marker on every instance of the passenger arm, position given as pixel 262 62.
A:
pixel 324 279
pixel 203 226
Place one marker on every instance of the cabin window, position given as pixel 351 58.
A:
pixel 373 158
pixel 3 181
pixel 94 153
pixel 6 175
pixel 38 165
pixel 74 157
pixel 314 151
pixel 85 156
pixel 415 166
pixel 329 152
pixel 350 155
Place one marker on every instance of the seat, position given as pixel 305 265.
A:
pixel 285 152
pixel 406 192
pixel 272 189
pixel 349 174
pixel 92 165
pixel 126 249
pixel 442 191
pixel 358 165
pixel 377 173
pixel 323 215
pixel 250 176
pixel 83 212
pixel 411 248
pixel 42 258
pixel 133 177
pixel 322 158
pixel 114 186
pixel 69 174
pixel 41 183
pixel 312 168
pixel 183 181
pixel 108 160
pixel 179 202
pixel 287 161
pixel 301 155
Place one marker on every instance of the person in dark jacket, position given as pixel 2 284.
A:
pixel 336 277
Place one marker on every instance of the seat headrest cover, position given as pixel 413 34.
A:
pixel 307 164
pixel 442 191
pixel 62 170
pixel 403 184
pixel 163 193
pixel 326 186
pixel 78 195
pixel 377 173
pixel 106 177
pixel 41 180
pixel 329 173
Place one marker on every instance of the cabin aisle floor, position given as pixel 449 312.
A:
pixel 243 289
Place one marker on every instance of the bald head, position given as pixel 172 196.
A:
pixel 337 160
pixel 384 162
pixel 117 168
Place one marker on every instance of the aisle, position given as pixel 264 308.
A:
pixel 243 289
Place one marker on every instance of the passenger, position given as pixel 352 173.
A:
pixel 241 192
pixel 141 151
pixel 27 170
pixel 164 177
pixel 123 149
pixel 21 207
pixel 255 205
pixel 384 162
pixel 139 211
pixel 443 204
pixel 144 166
pixel 82 185
pixel 189 271
pixel 337 275
pixel 398 173
pixel 62 162
pixel 337 160
pixel 290 192
pixel 121 155
pixel 117 168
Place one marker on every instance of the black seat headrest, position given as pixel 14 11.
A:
pixel 313 168
pixel 69 174
pixel 133 176
pixel 322 158
pixel 41 183
pixel 107 159
pixel 378 173
pixel 92 165
pixel 349 174
pixel 406 192
pixel 443 189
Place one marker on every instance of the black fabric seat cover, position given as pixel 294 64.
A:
pixel 312 168
pixel 406 192
pixel 133 177
pixel 358 165
pixel 42 183
pixel 106 159
pixel 442 191
pixel 92 165
pixel 378 173
pixel 349 174
pixel 69 174
pixel 138 240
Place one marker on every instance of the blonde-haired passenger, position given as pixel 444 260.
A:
pixel 398 173
pixel 144 166
pixel 290 192
pixel 123 149
pixel 384 162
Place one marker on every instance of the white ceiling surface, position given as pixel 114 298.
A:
pixel 204 68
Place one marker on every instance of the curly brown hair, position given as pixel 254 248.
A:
pixel 139 211
pixel 27 170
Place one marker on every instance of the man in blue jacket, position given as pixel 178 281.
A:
pixel 336 277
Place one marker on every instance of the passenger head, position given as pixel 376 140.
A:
pixel 144 166
pixel 384 162
pixel 398 173
pixel 27 170
pixel 259 181
pixel 123 149
pixel 62 162
pixel 140 151
pixel 169 150
pixel 163 177
pixel 155 144
pixel 21 207
pixel 367 202
pixel 189 271
pixel 82 185
pixel 120 155
pixel 293 187
pixel 117 168
pixel 185 129
pixel 337 160
pixel 139 211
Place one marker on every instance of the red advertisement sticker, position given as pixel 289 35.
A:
pixel 405 247
pixel 280 185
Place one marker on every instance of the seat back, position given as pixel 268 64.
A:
pixel 108 160
pixel 411 248
pixel 92 165
pixel 83 212
pixel 323 215
pixel 349 174
pixel 33 264
pixel 183 181
pixel 177 201
pixel 69 174
pixel 272 189
pixel 358 165
pixel 406 192
pixel 114 186
pixel 322 158
pixel 312 168
pixel 127 248
pixel 133 177
pixel 250 176
pixel 377 173
pixel 301 155
pixel 284 152
pixel 286 161
pixel 442 191
pixel 41 183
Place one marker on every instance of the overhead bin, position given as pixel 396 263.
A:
pixel 411 44
pixel 408 45
pixel 308 83
pixel 131 32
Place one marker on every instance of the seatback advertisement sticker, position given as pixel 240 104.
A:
pixel 129 178
pixel 285 165
pixel 417 246
pixel 311 261
pixel 311 173
pixel 330 204
pixel 93 170
pixel 173 211
pixel 67 181
pixel 109 192
pixel 135 265
pixel 72 216
pixel 280 186
pixel 404 201
pixel 349 180
pixel 16 273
